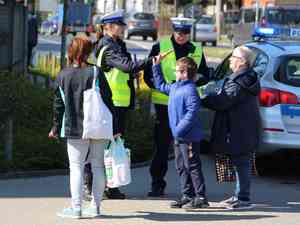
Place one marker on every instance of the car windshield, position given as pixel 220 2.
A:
pixel 284 16
pixel 206 20
pixel 144 16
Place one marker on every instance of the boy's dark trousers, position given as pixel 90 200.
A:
pixel 188 165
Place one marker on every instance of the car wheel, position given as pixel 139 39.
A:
pixel 144 38
pixel 154 37
pixel 214 43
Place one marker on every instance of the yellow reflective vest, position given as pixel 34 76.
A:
pixel 118 83
pixel 168 66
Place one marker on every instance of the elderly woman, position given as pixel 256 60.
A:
pixel 68 123
pixel 233 134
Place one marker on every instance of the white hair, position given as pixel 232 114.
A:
pixel 245 53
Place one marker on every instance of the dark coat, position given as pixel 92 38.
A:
pixel 180 51
pixel 73 82
pixel 236 127
pixel 117 56
pixel 183 107
pixel 32 31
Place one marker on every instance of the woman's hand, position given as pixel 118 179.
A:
pixel 52 134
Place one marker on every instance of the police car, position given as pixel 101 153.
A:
pixel 277 62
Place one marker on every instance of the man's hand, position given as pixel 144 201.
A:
pixel 157 59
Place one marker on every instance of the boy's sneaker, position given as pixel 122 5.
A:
pixel 91 211
pixel 197 203
pixel 70 213
pixel 180 202
pixel 239 204
pixel 228 201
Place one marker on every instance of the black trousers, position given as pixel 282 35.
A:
pixel 120 114
pixel 162 141
pixel 188 166
pixel 29 54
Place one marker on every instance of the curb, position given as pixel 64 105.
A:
pixel 61 172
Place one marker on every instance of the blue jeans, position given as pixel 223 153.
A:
pixel 242 167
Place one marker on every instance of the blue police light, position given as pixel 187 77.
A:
pixel 263 32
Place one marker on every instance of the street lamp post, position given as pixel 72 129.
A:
pixel 257 12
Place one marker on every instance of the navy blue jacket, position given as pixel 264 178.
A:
pixel 236 127
pixel 183 107
pixel 117 56
pixel 32 38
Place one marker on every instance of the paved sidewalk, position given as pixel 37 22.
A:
pixel 35 201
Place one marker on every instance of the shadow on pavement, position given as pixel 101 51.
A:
pixel 199 216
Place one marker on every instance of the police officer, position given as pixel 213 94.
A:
pixel 120 69
pixel 179 42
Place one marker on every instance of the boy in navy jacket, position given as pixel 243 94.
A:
pixel 183 109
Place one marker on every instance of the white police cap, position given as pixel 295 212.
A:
pixel 114 17
pixel 182 24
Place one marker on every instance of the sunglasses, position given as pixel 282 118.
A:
pixel 182 32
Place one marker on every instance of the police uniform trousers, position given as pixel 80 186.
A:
pixel 163 139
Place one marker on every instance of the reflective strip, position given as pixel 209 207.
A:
pixel 168 66
pixel 118 83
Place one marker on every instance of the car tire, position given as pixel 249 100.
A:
pixel 214 43
pixel 154 37
pixel 144 38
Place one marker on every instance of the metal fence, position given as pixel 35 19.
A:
pixel 13 37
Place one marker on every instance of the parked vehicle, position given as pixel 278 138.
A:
pixel 49 26
pixel 278 66
pixel 141 24
pixel 205 30
pixel 285 18
pixel 79 18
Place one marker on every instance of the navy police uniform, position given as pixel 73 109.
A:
pixel 162 134
pixel 116 56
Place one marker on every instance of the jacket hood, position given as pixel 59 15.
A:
pixel 248 80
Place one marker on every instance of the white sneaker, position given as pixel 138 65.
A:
pixel 91 211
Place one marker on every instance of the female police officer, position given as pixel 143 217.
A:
pixel 119 69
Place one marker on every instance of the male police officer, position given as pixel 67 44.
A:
pixel 119 69
pixel 179 42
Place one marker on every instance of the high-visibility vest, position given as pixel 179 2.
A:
pixel 168 66
pixel 118 83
